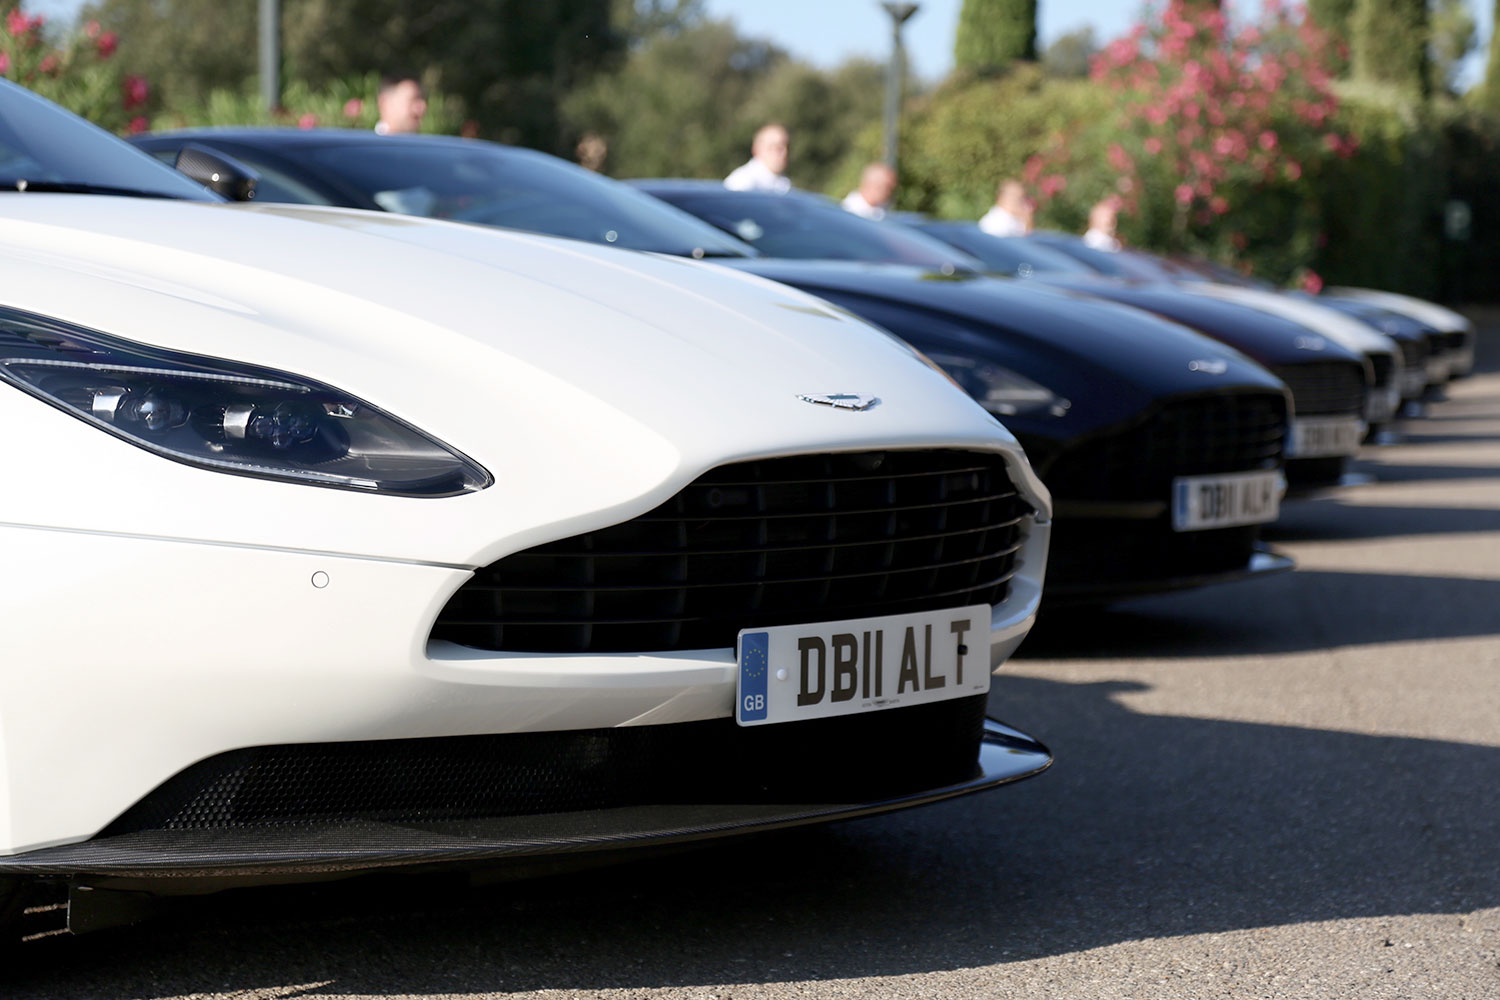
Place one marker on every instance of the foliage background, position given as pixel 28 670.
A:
pixel 1356 193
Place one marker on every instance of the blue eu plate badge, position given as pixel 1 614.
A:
pixel 754 663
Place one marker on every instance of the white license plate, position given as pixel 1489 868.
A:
pixel 1325 437
pixel 814 671
pixel 1201 502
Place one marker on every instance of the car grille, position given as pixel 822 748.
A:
pixel 1325 387
pixel 1185 437
pixel 856 758
pixel 1383 367
pixel 1413 352
pixel 772 542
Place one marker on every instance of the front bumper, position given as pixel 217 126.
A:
pixel 128 659
pixel 1005 755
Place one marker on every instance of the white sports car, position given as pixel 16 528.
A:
pixel 337 540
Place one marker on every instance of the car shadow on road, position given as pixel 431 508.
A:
pixel 1292 613
pixel 1331 520
pixel 1147 826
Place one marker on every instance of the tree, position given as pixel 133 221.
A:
pixel 1390 43
pixel 1487 94
pixel 674 108
pixel 994 33
pixel 510 62
pixel 1335 18
pixel 1454 36
pixel 1071 54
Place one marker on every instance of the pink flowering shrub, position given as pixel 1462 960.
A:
pixel 77 70
pixel 1214 140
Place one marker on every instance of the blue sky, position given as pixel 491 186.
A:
pixel 825 32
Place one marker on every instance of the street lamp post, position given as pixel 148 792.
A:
pixel 900 14
pixel 270 53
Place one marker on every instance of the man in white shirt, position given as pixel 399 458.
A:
pixel 1011 214
pixel 1103 219
pixel 401 103
pixel 766 169
pixel 877 185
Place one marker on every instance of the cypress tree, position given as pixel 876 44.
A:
pixel 994 33
pixel 1390 42
pixel 1487 94
pixel 1332 16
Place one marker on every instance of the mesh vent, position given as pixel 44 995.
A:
pixel 1186 437
pixel 1325 387
pixel 856 758
pixel 773 542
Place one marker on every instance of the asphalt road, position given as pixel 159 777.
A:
pixel 1283 788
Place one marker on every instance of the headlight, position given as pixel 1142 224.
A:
pixel 225 416
pixel 1000 390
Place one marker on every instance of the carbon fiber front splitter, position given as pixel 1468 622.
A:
pixel 1005 755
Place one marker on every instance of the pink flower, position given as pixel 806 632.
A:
pixel 1218 205
pixel 17 23
pixel 1152 145
pixel 136 91
pixel 308 120
pixel 1293 170
pixel 4 63
pixel 1052 185
pixel 1267 140
pixel 49 64
pixel 1312 282
pixel 354 107
pixel 1184 194
pixel 137 125
pixel 1118 158
pixel 92 29
pixel 107 43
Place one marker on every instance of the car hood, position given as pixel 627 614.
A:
pixel 1436 316
pixel 1269 339
pixel 593 383
pixel 1331 323
pixel 1109 360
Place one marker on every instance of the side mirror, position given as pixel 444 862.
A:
pixel 221 174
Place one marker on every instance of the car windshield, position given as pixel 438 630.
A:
pixel 44 148
pixel 806 227
pixel 518 189
pixel 1005 254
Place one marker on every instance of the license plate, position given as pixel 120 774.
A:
pixel 1325 437
pixel 794 672
pixel 1202 502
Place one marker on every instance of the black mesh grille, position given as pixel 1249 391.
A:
pixel 773 542
pixel 1383 367
pixel 1325 387
pixel 1185 437
pixel 1413 352
pixel 857 758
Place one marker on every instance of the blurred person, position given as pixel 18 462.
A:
pixel 1011 214
pixel 877 186
pixel 1103 220
pixel 401 103
pixel 592 150
pixel 766 168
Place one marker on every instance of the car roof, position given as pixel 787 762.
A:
pixel 290 137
